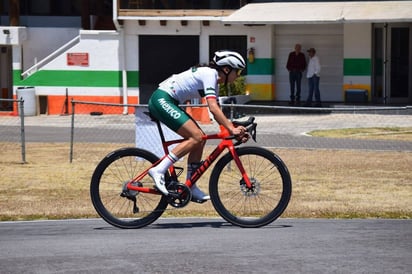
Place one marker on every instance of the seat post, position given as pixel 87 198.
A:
pixel 159 128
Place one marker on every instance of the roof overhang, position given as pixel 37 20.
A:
pixel 322 12
pixel 173 15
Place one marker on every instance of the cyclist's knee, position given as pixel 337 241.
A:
pixel 197 138
pixel 192 134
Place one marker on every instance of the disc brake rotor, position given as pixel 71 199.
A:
pixel 254 190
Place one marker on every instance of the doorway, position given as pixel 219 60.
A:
pixel 6 79
pixel 236 43
pixel 392 63
pixel 162 56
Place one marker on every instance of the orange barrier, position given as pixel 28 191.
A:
pixel 16 106
pixel 200 114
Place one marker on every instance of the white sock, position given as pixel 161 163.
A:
pixel 164 165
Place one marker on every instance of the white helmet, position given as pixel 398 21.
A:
pixel 229 58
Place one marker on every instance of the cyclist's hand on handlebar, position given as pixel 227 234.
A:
pixel 244 137
pixel 241 134
pixel 239 130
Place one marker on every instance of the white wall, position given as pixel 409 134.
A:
pixel 357 44
pixel 358 40
pixel 102 47
pixel 327 39
pixel 41 42
pixel 104 52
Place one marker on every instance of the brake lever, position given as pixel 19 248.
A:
pixel 251 130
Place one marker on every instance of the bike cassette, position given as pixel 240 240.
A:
pixel 131 195
pixel 179 194
pixel 128 192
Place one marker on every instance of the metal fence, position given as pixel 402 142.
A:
pixel 278 127
pixel 345 177
pixel 329 175
pixel 12 131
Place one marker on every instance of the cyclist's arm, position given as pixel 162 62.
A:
pixel 221 118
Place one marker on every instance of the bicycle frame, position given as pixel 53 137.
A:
pixel 226 143
pixel 241 200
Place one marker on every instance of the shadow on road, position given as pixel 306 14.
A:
pixel 169 224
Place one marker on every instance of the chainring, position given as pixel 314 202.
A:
pixel 179 194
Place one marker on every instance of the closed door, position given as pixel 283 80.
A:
pixel 6 79
pixel 162 56
pixel 236 43
pixel 392 63
pixel 399 64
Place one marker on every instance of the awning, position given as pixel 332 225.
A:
pixel 322 12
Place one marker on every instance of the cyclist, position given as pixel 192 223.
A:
pixel 197 82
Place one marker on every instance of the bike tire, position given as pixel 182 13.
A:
pixel 271 195
pixel 107 184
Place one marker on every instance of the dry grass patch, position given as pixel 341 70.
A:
pixel 374 133
pixel 350 183
pixel 326 183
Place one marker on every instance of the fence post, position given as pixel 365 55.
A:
pixel 22 131
pixel 72 133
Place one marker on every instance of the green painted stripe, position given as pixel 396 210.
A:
pixel 133 79
pixel 76 78
pixel 261 66
pixel 16 77
pixel 357 67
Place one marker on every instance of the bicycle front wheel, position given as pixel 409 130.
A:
pixel 259 205
pixel 113 202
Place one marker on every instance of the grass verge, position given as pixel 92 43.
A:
pixel 326 183
pixel 374 133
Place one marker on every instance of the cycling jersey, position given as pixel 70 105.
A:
pixel 196 82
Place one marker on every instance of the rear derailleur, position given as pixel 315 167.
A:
pixel 131 194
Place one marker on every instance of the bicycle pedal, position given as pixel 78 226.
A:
pixel 198 201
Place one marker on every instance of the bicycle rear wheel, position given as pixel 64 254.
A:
pixel 264 202
pixel 113 202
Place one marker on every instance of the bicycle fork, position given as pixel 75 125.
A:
pixel 239 164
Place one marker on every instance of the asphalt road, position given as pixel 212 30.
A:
pixel 207 246
pixel 267 139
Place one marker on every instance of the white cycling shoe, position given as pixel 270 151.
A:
pixel 198 196
pixel 159 180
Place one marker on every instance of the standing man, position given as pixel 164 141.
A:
pixel 296 65
pixel 313 75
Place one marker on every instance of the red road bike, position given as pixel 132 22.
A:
pixel 249 186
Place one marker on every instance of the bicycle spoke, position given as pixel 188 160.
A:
pixel 117 205
pixel 264 201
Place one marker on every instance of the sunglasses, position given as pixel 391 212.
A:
pixel 239 72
